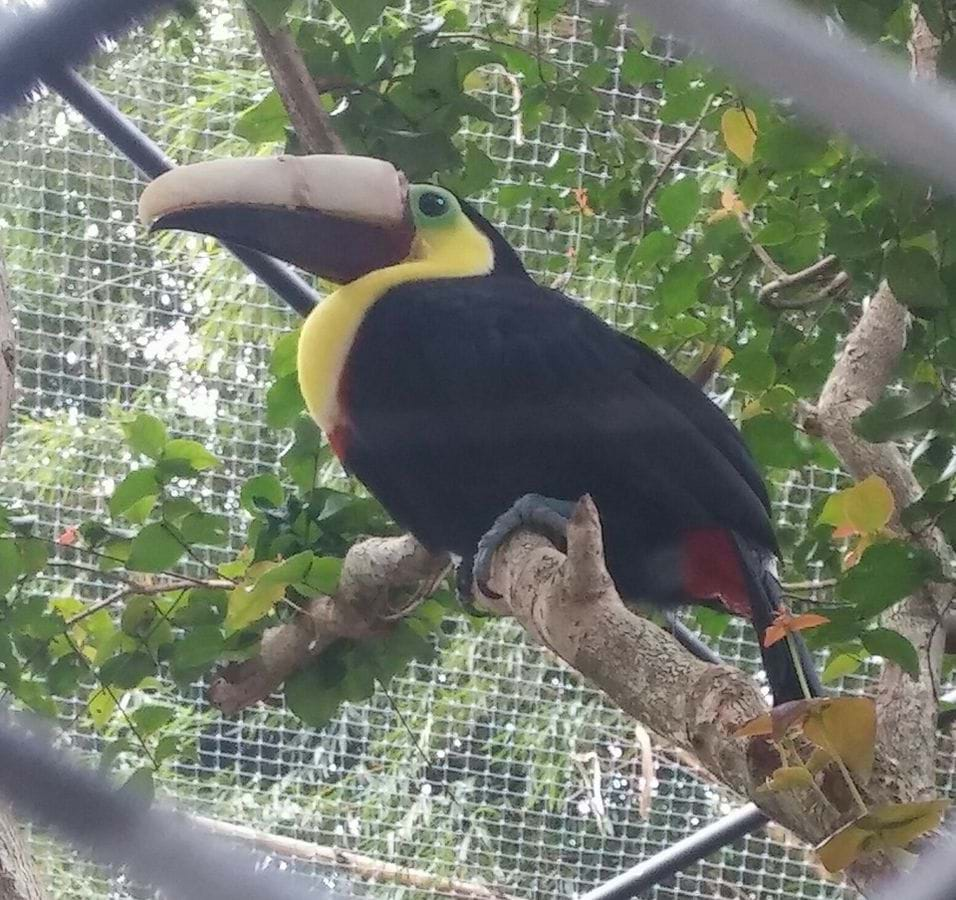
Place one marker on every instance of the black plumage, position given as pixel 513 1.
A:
pixel 464 394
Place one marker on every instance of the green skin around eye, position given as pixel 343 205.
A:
pixel 434 196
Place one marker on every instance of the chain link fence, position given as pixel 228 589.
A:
pixel 519 780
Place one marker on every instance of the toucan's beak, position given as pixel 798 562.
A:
pixel 339 217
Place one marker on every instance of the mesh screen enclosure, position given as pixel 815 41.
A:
pixel 533 785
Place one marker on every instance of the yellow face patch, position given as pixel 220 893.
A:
pixel 447 245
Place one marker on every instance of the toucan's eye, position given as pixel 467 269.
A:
pixel 432 204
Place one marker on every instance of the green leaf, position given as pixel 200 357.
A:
pixel 199 648
pixel 840 666
pixel 34 554
pixel 284 402
pixel 154 549
pixel 678 204
pixel 897 416
pixel 913 275
pixel 755 368
pixel 360 14
pixel 263 122
pixel 9 565
pixel 713 622
pixel 788 148
pixel 652 250
pixel 127 670
pixel 136 486
pixel 273 12
pixel 150 718
pixel 140 785
pixel 892 645
pixel 250 602
pixel 102 705
pixel 679 289
pixel 261 490
pixel 191 453
pixel 205 528
pixel 146 435
pixel 309 698
pixel 638 68
pixel 774 441
pixel 780 231
pixel 886 573
pixel 285 352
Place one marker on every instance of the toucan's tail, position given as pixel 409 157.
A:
pixel 766 599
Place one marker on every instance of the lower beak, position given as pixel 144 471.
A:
pixel 338 217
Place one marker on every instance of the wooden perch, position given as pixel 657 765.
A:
pixel 373 573
pixel 569 604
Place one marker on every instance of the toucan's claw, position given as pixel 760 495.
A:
pixel 545 515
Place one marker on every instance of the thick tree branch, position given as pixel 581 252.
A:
pixel 374 574
pixel 569 604
pixel 906 708
pixel 18 877
pixel 298 91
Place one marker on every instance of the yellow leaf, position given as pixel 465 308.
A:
pixel 102 705
pixel 776 723
pixel 845 727
pixel 842 847
pixel 864 508
pixel 895 825
pixel 898 824
pixel 818 760
pixel 739 128
pixel 788 778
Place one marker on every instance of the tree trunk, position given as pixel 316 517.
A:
pixel 18 877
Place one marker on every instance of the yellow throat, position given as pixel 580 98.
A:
pixel 457 250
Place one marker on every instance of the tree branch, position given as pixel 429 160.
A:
pixel 18 876
pixel 366 867
pixel 295 85
pixel 906 708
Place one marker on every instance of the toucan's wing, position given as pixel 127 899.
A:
pixel 466 393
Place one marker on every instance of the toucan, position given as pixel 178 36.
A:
pixel 472 401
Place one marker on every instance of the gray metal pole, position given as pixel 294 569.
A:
pixel 684 853
pixel 151 161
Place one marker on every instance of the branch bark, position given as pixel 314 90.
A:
pixel 18 877
pixel 906 708
pixel 295 85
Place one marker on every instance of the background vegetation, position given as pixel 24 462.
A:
pixel 160 429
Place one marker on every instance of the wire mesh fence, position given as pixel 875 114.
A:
pixel 521 780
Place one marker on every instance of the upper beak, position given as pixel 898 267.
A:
pixel 339 217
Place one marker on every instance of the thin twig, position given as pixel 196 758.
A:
pixel 670 161
pixel 136 589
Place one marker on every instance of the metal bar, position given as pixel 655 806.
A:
pixel 151 161
pixel 59 33
pixel 835 80
pixel 119 828
pixel 678 856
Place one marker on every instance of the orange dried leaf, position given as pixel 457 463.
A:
pixel 583 202
pixel 786 623
pixel 69 537
pixel 845 727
